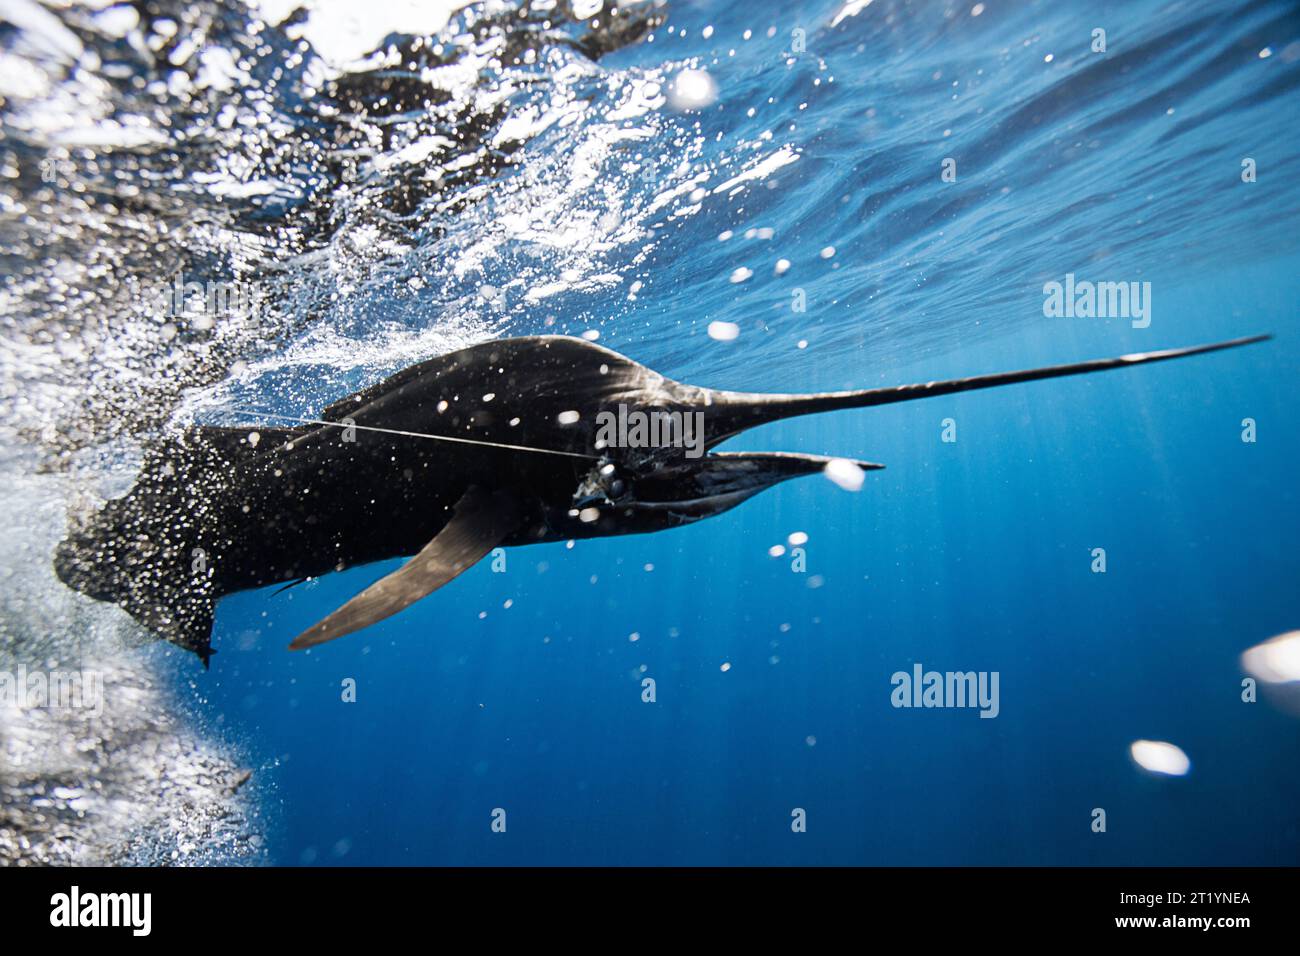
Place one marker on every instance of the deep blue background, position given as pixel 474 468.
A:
pixel 965 556
pixel 973 555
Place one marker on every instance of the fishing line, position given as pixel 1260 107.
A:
pixel 394 431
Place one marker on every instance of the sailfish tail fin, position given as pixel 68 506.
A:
pixel 739 410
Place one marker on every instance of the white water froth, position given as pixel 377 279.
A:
pixel 133 780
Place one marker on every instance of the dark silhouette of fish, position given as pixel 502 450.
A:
pixel 501 444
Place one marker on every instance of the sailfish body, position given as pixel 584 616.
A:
pixel 504 443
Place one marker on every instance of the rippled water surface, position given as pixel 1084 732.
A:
pixel 740 195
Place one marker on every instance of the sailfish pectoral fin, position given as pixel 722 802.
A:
pixel 482 520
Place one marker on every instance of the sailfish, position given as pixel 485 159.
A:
pixel 495 445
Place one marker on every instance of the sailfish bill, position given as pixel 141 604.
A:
pixel 753 409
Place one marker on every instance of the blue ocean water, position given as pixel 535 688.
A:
pixel 974 555
pixel 845 259
pixel 522 690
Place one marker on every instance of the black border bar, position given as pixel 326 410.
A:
pixel 244 906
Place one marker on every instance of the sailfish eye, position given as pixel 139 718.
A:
pixel 605 482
